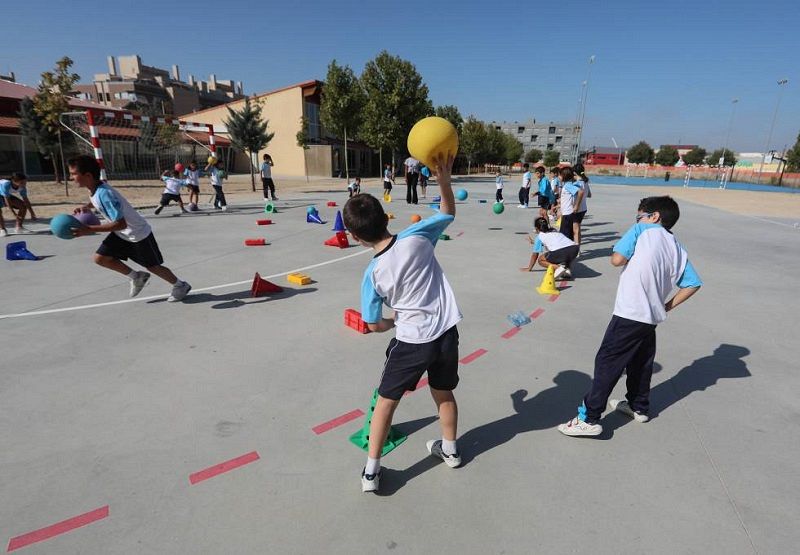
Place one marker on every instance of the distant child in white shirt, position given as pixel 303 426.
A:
pixel 354 188
pixel 525 188
pixel 551 248
pixel 498 184
pixel 172 190
pixel 216 174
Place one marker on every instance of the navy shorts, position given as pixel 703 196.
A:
pixel 144 253
pixel 407 362
pixel 563 256
pixel 194 188
pixel 13 198
pixel 578 216
pixel 167 197
pixel 544 203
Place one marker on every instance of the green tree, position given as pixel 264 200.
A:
pixel 695 157
pixel 34 130
pixel 52 100
pixel 513 150
pixel 494 149
pixel 248 132
pixel 302 142
pixel 533 155
pixel 551 158
pixel 451 114
pixel 640 153
pixel 667 156
pixel 730 157
pixel 342 106
pixel 396 99
pixel 473 141
pixel 793 157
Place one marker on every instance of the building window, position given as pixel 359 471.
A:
pixel 311 112
pixel 534 138
pixel 558 138
pixel 520 130
pixel 498 127
pixel 551 130
pixel 549 146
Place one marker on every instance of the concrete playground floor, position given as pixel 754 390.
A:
pixel 116 416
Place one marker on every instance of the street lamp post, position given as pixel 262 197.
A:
pixel 772 126
pixel 734 102
pixel 585 97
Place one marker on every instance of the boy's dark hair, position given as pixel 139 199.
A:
pixel 85 164
pixel 193 162
pixel 364 216
pixel 578 168
pixel 539 169
pixel 526 165
pixel 566 174
pixel 554 170
pixel 16 177
pixel 541 224
pixel 665 206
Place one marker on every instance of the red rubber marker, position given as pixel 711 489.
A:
pixel 472 356
pixel 338 421
pixel 221 468
pixel 536 313
pixel 264 222
pixel 260 242
pixel 511 333
pixel 57 529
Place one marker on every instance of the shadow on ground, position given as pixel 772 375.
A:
pixel 239 298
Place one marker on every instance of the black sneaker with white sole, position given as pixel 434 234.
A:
pixel 435 449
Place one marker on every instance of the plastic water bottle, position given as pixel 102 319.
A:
pixel 518 318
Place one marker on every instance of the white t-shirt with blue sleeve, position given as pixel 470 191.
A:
pixel 114 207
pixel 7 189
pixel 569 191
pixel 407 278
pixel 657 264
pixel 498 182
pixel 526 180
pixel 552 241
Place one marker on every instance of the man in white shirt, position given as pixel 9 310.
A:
pixel 411 166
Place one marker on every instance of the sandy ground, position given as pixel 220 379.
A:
pixel 49 199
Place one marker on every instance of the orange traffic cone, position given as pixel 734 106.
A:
pixel 262 286
pixel 548 285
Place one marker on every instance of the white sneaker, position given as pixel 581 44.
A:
pixel 567 273
pixel 521 206
pixel 224 208
pixel 435 449
pixel 138 283
pixel 578 428
pixel 21 229
pixel 560 271
pixel 370 482
pixel 621 405
pixel 3 233
pixel 179 291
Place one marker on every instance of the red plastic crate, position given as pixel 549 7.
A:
pixel 352 319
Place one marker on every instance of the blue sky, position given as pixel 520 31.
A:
pixel 665 71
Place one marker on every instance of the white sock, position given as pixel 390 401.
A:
pixel 372 466
pixel 449 446
pixel 133 275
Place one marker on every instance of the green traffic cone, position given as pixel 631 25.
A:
pixel 269 208
pixel 361 438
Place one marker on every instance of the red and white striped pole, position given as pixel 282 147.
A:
pixel 94 134
pixel 212 141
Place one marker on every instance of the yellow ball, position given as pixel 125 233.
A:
pixel 212 160
pixel 432 137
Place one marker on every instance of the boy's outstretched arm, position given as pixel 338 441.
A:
pixel 681 296
pixel 443 168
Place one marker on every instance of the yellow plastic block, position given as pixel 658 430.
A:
pixel 298 279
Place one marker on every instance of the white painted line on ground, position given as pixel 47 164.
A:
pixel 165 295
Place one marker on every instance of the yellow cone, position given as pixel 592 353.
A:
pixel 387 197
pixel 548 285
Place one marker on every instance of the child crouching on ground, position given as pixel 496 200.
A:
pixel 354 188
pixel 560 250
pixel 405 275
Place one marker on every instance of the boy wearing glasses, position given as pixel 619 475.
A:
pixel 654 264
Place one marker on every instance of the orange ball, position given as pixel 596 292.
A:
pixel 415 218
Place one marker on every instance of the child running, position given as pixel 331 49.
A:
pixel 130 237
pixel 654 264
pixel 18 205
pixel 498 185
pixel 405 275
pixel 172 190
pixel 560 250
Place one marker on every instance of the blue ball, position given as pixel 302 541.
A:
pixel 63 224
pixel 462 194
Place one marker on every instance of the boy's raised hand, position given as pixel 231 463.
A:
pixel 443 167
